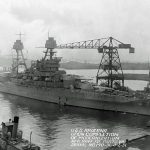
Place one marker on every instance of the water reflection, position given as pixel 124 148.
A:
pixel 51 124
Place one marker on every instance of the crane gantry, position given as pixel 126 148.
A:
pixel 110 71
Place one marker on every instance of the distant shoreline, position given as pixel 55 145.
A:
pixel 72 65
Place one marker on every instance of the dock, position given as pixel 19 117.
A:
pixel 142 77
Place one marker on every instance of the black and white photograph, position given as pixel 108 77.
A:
pixel 74 75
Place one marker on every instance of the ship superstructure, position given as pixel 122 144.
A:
pixel 45 72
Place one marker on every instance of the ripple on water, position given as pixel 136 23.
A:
pixel 51 126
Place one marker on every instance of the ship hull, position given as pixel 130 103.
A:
pixel 75 98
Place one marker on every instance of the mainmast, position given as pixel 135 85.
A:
pixel 18 60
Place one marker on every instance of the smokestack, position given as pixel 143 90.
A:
pixel 15 127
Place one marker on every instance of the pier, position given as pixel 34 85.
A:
pixel 142 77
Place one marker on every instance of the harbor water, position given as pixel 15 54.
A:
pixel 51 125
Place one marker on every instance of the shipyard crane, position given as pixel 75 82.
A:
pixel 110 71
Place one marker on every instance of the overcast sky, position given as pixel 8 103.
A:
pixel 76 20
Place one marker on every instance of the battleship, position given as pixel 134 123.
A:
pixel 45 81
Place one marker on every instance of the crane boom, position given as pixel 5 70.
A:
pixel 89 44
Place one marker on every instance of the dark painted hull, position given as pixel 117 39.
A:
pixel 80 98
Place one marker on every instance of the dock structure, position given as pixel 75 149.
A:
pixel 140 143
pixel 142 77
